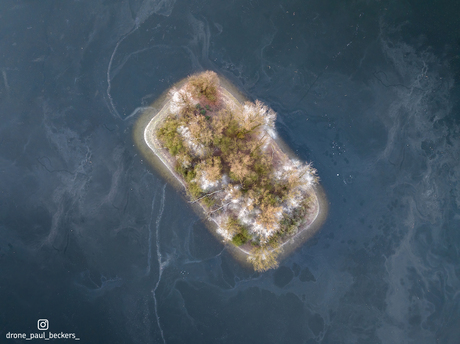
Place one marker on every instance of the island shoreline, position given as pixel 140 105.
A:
pixel 149 146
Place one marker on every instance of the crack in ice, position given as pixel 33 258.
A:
pixel 149 255
pixel 161 264
pixel 112 107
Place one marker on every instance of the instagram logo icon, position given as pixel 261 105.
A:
pixel 43 324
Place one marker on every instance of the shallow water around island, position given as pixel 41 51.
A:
pixel 91 234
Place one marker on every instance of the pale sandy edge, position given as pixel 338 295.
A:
pixel 154 146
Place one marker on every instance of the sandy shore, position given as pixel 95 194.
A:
pixel 152 150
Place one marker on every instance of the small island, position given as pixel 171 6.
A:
pixel 225 154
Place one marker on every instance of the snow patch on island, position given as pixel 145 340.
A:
pixel 190 141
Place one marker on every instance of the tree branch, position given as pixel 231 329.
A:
pixel 219 208
pixel 208 194
pixel 261 142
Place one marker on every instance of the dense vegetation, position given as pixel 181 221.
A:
pixel 224 156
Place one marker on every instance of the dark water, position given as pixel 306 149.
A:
pixel 94 240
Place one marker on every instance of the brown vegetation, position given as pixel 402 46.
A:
pixel 264 258
pixel 204 85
